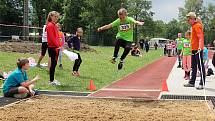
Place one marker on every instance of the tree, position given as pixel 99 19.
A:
pixel 71 17
pixel 173 28
pixel 98 13
pixel 11 13
pixel 141 10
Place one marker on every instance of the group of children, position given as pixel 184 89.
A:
pixel 184 54
pixel 17 84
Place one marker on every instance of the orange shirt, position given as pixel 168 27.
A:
pixel 197 37
pixel 61 38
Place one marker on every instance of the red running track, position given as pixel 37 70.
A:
pixel 144 83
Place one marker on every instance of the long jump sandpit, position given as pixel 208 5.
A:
pixel 61 108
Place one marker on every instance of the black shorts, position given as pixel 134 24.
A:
pixel 11 92
pixel 44 48
pixel 123 43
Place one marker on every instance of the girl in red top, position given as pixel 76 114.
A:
pixel 53 43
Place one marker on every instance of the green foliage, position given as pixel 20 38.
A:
pixel 173 28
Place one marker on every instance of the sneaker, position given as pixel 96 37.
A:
pixel 75 73
pixel 20 96
pixel 179 66
pixel 200 87
pixel 113 60
pixel 55 83
pixel 187 77
pixel 61 66
pixel 189 85
pixel 78 73
pixel 120 65
pixel 39 66
pixel 34 92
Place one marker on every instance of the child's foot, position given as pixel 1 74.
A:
pixel 120 65
pixel 39 66
pixel 75 73
pixel 61 66
pixel 78 73
pixel 113 60
pixel 179 66
pixel 55 83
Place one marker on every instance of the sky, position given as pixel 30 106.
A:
pixel 166 10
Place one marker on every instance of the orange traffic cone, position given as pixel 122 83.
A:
pixel 164 86
pixel 91 87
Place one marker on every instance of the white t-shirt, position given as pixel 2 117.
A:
pixel 44 35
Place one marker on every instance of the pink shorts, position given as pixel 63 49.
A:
pixel 186 63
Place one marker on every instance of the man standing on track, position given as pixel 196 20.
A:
pixel 197 46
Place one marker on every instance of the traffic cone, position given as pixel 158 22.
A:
pixel 164 86
pixel 91 87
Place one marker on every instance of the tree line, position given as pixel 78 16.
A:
pixel 90 14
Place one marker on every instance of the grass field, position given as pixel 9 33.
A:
pixel 95 66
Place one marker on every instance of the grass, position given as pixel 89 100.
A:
pixel 95 66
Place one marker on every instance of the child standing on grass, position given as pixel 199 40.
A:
pixel 44 48
pixel 75 42
pixel 186 51
pixel 53 44
pixel 124 36
pixel 62 41
pixel 17 84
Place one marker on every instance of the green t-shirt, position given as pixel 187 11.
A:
pixel 186 47
pixel 125 28
pixel 179 42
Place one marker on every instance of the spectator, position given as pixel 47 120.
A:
pixel 17 84
pixel 197 46
pixel 169 48
pixel 135 51
pixel 146 45
pixel 156 46
pixel 179 42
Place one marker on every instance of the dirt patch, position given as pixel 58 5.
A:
pixel 31 47
pixel 60 109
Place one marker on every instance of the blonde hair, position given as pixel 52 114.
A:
pixel 52 13
pixel 121 11
pixel 79 29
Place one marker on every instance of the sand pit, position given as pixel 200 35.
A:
pixel 59 109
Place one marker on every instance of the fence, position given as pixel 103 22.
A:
pixel 15 33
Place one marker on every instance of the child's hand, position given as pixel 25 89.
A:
pixel 37 77
pixel 31 92
pixel 99 29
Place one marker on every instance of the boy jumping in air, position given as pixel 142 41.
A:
pixel 124 37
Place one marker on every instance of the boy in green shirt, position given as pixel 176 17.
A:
pixel 124 36
pixel 186 50
pixel 179 42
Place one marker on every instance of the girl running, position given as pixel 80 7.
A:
pixel 124 36
pixel 186 50
pixel 75 41
pixel 53 44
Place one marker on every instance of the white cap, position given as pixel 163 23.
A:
pixel 191 14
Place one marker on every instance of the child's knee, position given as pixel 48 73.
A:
pixel 23 90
